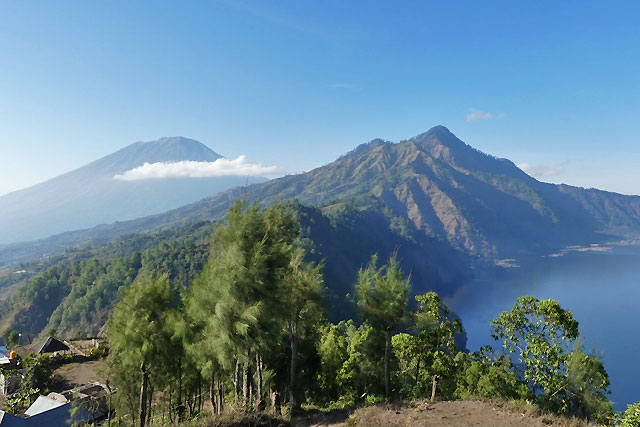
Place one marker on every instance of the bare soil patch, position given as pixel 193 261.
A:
pixel 81 373
pixel 438 414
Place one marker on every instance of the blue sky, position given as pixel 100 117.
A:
pixel 554 85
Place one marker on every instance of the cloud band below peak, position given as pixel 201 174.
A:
pixel 193 169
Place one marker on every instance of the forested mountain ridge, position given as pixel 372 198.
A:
pixel 90 195
pixel 74 293
pixel 481 205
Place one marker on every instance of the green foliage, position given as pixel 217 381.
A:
pixel 236 302
pixel 98 352
pixel 351 364
pixel 430 351
pixel 181 260
pixel 631 416
pixel 139 331
pixel 38 374
pixel 382 294
pixel 73 293
pixel 566 381
pixel 483 374
pixel 37 378
pixel 22 399
pixel 541 333
pixel 11 338
pixel 586 390
pixel 333 348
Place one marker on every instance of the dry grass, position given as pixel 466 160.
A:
pixel 460 414
pixel 484 413
pixel 231 419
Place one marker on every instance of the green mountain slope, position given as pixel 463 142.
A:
pixel 442 206
pixel 479 204
pixel 76 293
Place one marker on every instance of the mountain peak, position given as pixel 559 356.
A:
pixel 166 149
pixel 441 131
pixel 438 135
pixel 367 146
pixel 174 148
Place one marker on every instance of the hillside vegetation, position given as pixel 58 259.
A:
pixel 251 335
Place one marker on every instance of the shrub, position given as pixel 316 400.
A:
pixel 631 417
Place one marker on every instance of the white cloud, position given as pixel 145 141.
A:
pixel 542 171
pixel 475 114
pixel 192 169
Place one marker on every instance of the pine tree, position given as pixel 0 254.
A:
pixel 303 289
pixel 140 341
pixel 235 303
pixel 382 295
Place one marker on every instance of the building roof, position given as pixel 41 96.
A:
pixel 50 345
pixel 43 404
pixel 59 416
pixel 8 420
pixel 4 351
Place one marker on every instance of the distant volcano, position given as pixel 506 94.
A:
pixel 90 195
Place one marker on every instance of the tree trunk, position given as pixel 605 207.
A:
pixel 236 384
pixel 212 394
pixel 108 405
pixel 387 365
pixel 171 418
pixel 245 386
pixel 293 338
pixel 220 394
pixel 179 406
pixel 434 384
pixel 251 388
pixel 150 401
pixel 142 414
pixel 200 399
pixel 259 398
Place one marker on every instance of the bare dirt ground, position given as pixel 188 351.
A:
pixel 438 414
pixel 81 373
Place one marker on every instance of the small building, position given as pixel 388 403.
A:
pixel 50 345
pixel 8 420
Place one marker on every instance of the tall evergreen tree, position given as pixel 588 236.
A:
pixel 236 303
pixel 140 339
pixel 303 289
pixel 382 295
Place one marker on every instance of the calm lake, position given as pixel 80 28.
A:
pixel 602 289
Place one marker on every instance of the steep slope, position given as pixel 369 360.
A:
pixel 90 195
pixel 75 293
pixel 480 205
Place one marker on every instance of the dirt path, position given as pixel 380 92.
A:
pixel 439 414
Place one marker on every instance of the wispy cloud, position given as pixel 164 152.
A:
pixel 543 171
pixel 475 114
pixel 192 169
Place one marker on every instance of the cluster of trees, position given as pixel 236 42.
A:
pixel 225 329
pixel 249 331
pixel 75 299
